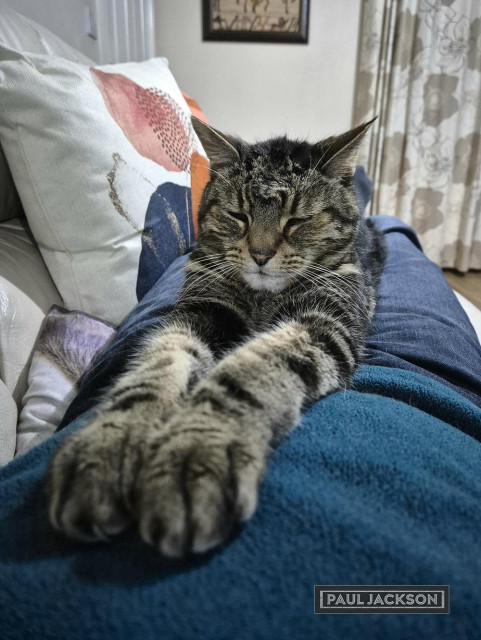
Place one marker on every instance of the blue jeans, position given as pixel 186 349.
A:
pixel 419 324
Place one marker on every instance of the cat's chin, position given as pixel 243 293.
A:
pixel 265 282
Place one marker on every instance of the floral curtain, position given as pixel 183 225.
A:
pixel 420 71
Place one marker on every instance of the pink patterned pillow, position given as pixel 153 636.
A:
pixel 102 158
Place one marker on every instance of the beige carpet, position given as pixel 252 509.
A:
pixel 467 284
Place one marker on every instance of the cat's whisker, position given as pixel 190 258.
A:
pixel 209 257
pixel 200 277
pixel 192 282
pixel 211 170
pixel 334 287
pixel 344 288
pixel 328 148
pixel 352 297
pixel 208 273
pixel 206 282
pixel 329 273
pixel 330 287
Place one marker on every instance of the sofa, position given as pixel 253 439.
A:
pixel 383 519
pixel 27 289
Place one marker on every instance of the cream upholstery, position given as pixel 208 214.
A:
pixel 10 206
pixel 24 35
pixel 473 313
pixel 26 289
pixel 8 425
pixel 26 294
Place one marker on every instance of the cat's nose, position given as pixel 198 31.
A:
pixel 261 257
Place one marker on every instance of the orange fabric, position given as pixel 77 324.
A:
pixel 199 177
pixel 194 108
pixel 199 166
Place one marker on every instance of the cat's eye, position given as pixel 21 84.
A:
pixel 292 223
pixel 237 215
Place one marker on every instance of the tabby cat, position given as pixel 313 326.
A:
pixel 278 295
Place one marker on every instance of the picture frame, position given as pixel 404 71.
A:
pixel 281 21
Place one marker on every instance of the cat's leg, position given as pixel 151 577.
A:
pixel 202 473
pixel 91 478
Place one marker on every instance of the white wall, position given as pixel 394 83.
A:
pixel 65 18
pixel 256 90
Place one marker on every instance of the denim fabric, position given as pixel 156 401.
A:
pixel 419 324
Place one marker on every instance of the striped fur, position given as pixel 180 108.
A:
pixel 273 315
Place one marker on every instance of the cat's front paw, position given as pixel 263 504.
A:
pixel 84 483
pixel 196 482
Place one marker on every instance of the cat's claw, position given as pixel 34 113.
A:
pixel 193 484
pixel 195 488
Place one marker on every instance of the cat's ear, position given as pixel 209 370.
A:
pixel 220 149
pixel 338 154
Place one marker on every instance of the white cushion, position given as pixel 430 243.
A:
pixel 88 149
pixel 67 344
pixel 22 34
pixel 26 294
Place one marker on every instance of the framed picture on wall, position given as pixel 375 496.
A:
pixel 256 20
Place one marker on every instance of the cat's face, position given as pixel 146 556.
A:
pixel 276 210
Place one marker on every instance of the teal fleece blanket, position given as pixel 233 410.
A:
pixel 380 484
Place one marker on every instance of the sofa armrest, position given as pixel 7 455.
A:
pixel 473 313
pixel 8 425
pixel 26 294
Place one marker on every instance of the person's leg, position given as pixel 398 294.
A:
pixel 419 324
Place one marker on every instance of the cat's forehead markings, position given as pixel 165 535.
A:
pixel 272 192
